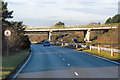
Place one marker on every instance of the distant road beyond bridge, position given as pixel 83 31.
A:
pixel 50 30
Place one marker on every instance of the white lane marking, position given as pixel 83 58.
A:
pixel 68 64
pixel 63 59
pixel 76 74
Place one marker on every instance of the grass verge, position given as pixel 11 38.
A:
pixel 104 54
pixel 10 63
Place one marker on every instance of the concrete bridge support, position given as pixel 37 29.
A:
pixel 87 35
pixel 50 35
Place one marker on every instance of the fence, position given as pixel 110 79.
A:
pixel 93 47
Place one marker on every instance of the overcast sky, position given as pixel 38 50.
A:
pixel 71 12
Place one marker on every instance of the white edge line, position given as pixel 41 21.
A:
pixel 22 66
pixel 102 58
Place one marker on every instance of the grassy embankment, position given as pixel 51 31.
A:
pixel 104 54
pixel 10 63
pixel 97 25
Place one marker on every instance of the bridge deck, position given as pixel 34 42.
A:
pixel 67 29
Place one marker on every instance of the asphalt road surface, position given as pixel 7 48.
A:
pixel 60 62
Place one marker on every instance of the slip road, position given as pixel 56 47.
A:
pixel 60 62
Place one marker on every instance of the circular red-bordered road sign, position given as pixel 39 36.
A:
pixel 7 33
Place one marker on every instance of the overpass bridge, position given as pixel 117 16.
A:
pixel 86 31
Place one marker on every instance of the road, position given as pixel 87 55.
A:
pixel 60 62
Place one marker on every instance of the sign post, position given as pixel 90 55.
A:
pixel 7 47
pixel 7 33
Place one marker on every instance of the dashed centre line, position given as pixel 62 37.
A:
pixel 68 64
pixel 63 59
pixel 76 74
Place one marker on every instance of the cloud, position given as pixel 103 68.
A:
pixel 47 12
pixel 98 7
pixel 93 11
pixel 14 3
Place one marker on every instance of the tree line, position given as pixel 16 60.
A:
pixel 59 24
pixel 115 19
pixel 17 40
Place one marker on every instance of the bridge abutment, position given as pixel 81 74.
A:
pixel 87 35
pixel 50 35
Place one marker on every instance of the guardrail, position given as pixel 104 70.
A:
pixel 106 49
pixel 85 46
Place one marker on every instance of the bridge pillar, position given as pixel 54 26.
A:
pixel 87 35
pixel 50 35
